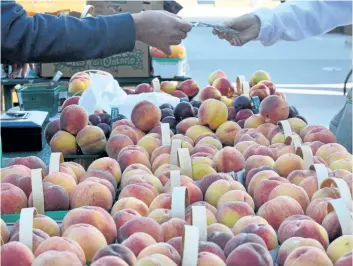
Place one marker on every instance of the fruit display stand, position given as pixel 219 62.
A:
pixel 210 185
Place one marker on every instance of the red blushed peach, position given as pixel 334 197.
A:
pixel 207 180
pixel 136 166
pixel 219 238
pixel 315 145
pixel 265 231
pixel 293 243
pixel 138 242
pixel 126 131
pixel 265 128
pixel 130 203
pixel 161 248
pixel 254 171
pixel 250 254
pixel 236 195
pixel 303 228
pixel 216 190
pixel 215 75
pixel 15 170
pixel 129 157
pixel 256 161
pixel 260 90
pixel 116 251
pixel 61 179
pixel 296 176
pixel 258 150
pixel 73 118
pixel 139 192
pixel 210 92
pixel 194 192
pixel 207 258
pixel 38 237
pixel 345 260
pixel 104 175
pixel 287 163
pixel 218 227
pixel 183 126
pixel 323 135
pixel 212 248
pixel 230 212
pixel 173 228
pixel 229 159
pixel 256 137
pixel 308 256
pixel 208 206
pixel 145 178
pixel 327 149
pixel 177 243
pixel 13 199
pixel 274 109
pixel 206 148
pixel 242 146
pixel 159 151
pixel 346 164
pixel 213 113
pixel 23 182
pixel 61 244
pixel 106 183
pixel 139 119
pixel 310 185
pixel 240 239
pixel 245 221
pixel 109 260
pixel 116 143
pixel 16 253
pixel 32 162
pixel 327 192
pixel 264 189
pixel 305 130
pixel 224 86
pixel 162 201
pixel 275 211
pixel 141 224
pixel 258 178
pixel 317 209
pixel 241 133
pixel 123 216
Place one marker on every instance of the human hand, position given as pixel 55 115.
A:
pixel 160 29
pixel 20 69
pixel 246 28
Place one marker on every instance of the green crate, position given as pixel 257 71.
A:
pixel 12 218
pixel 41 97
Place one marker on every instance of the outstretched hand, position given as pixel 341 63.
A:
pixel 20 69
pixel 246 28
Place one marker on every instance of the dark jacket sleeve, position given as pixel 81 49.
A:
pixel 46 38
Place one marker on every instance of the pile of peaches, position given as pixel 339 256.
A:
pixel 268 189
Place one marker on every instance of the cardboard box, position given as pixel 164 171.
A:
pixel 134 64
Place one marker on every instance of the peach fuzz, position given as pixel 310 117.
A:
pixel 139 192
pixel 317 209
pixel 332 226
pixel 307 255
pixel 264 189
pixel 116 250
pixel 123 216
pixel 161 248
pixel 141 224
pixel 292 191
pixel 230 212
pixel 38 237
pixel 345 164
pixel 129 157
pixel 275 211
pixel 236 195
pixel 293 243
pixel 173 228
pixel 256 161
pixel 61 244
pixel 339 247
pixel 245 221
pixel 15 170
pixel 227 131
pixel 321 134
pixel 159 151
pixel 77 169
pixel 143 122
pixel 258 178
pixel 73 118
pixel 254 121
pixel 345 260
pixel 138 242
pixel 296 176
pixel 303 228
pixel 288 163
pixel 155 260
pixel 274 109
pixel 160 160
pixel 240 239
pixel 88 237
pixel 216 190
pixel 250 254
pixel 218 227
pixel 61 179
pixel 242 146
pixel 116 143
pixel 183 126
pixel 327 149
pixel 130 203
pixel 16 253
pixel 91 140
pixel 212 248
pixel 213 113
pixel 13 199
pixel 149 143
pixel 229 159
pixel 206 258
pixel 250 174
pixel 56 258
pixel 109 260
pixel 265 231
pixel 310 185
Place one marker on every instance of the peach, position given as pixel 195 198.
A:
pixel 297 124
pixel 327 149
pixel 227 131
pixel 141 224
pixel 317 209
pixel 143 88
pixel 121 217
pixel 63 142
pixel 179 94
pixel 117 251
pixel 327 192
pixel 216 190
pixel 143 122
pixel 211 141
pixel 287 149
pixel 129 157
pixel 310 185
pixel 344 164
pixel 57 258
pixel 258 150
pixel 256 137
pixel 323 135
pixel 265 128
pixel 13 199
pixel 149 143
pixel 275 211
pixel 265 231
pixel 62 169
pixel 240 239
pixel 51 129
pixel 109 260
pixel 260 90
pixel 76 168
pixel 38 237
pixel 258 178
pixel 205 148
pixel 296 217
pixel 210 92
pixel 224 86
pixel 122 122
pixel 339 247
pixel 91 194
pixel 203 160
pixel 292 191
pixel 160 215
pixel 210 216
pixel 5 234
pixel 236 195
pixel 161 248
pixel 126 131
pixel 134 148
pixel 189 87
pixel 91 140
pixel 207 180
pixel 245 221
pixel 250 174
pixel 287 163
pixel 139 192
pixel 256 161
pixel 138 242
pixel 315 145
pixel 20 170
pixel 229 159
pixel 130 203
pixel 32 162
pixel 296 176
pixel 219 238
pixel 105 183
pixel 345 260
pixel 73 118
pixel 22 182
pixel 16 253
pixel 184 138
pixel 104 175
pixel 258 77
pixel 274 109
pixel 218 227
pixel 208 206
pixel 206 258
pixel 169 86
pixel 176 242
pixel 303 228
pixel 212 248
pixel 215 75
pixel 183 126
pixel 136 166
pixel 293 243
pixel 305 130
pixel 194 191
pixel 307 255
pixel 241 133
pixel 212 113
pixel 332 226
pixel 116 143
pixel 155 260
pixel 250 254
pixel 264 189
pixel 254 121
pixel 159 151
pixel 173 228
pixel 230 212
pixel 144 179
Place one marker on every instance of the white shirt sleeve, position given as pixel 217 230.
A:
pixel 297 20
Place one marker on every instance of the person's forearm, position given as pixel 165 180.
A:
pixel 297 20
pixel 46 38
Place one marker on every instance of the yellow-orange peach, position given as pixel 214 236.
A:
pixel 160 160
pixel 173 228
pixel 229 159
pixel 129 157
pixel 216 190
pixel 107 164
pixel 160 215
pixel 91 140
pixel 138 242
pixel 327 192
pixel 195 131
pixel 297 176
pixel 250 174
pixel 230 212
pixel 142 121
pixel 308 255
pixel 64 180
pixel 211 141
pixel 161 248
pixel 185 124
pixel 287 163
pixel 258 178
pixel 265 231
pixel 310 185
pixel 154 260
pixel 150 143
pixel 339 247
pixel 13 199
pixel 256 161
pixel 236 195
pixel 213 113
pixel 130 203
pixel 218 227
pixel 227 131
pixel 210 217
pixel 245 221
pixel 327 149
pixel 207 180
pixel 345 164
pixel 254 121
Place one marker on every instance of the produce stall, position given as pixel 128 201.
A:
pixel 224 174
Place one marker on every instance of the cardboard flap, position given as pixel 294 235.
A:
pixel 26 227
pixel 321 172
pixel 344 215
pixel 176 145
pixel 239 83
pixel 56 158
pixel 185 162
pixel 294 140
pixel 285 126
pixel 199 219
pixel 342 187
pixel 156 84
pixel 165 128
pixel 37 177
pixel 174 179
pixel 190 246
pixel 306 154
pixel 245 88
pixel 180 199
